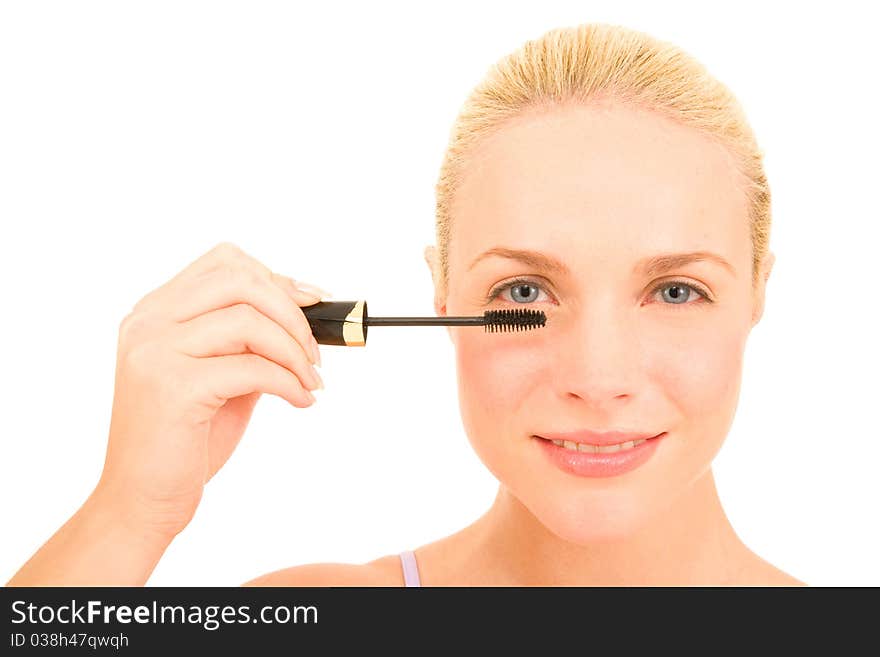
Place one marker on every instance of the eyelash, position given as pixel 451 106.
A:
pixel 526 281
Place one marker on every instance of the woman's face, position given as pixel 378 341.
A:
pixel 600 190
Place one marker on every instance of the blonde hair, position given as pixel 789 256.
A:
pixel 592 62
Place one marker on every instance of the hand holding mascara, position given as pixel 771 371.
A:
pixel 345 323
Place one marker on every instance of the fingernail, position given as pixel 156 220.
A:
pixel 295 291
pixel 310 397
pixel 308 288
pixel 315 382
pixel 316 351
pixel 291 285
pixel 320 380
pixel 313 357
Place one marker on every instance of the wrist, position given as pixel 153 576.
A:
pixel 109 508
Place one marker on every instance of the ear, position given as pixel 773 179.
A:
pixel 433 265
pixel 430 258
pixel 761 292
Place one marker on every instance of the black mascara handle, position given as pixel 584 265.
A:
pixel 341 323
pixel 345 323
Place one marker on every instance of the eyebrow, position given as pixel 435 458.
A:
pixel 535 259
pixel 665 261
pixel 650 266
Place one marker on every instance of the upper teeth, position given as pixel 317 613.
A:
pixel 598 449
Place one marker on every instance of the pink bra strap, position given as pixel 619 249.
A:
pixel 410 568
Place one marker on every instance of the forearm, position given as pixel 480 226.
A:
pixel 97 546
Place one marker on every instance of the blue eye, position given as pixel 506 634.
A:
pixel 517 283
pixel 682 287
pixel 683 293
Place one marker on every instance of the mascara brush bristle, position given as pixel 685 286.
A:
pixel 514 319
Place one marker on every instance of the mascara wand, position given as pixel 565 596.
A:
pixel 345 323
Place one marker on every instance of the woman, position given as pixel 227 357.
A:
pixel 597 174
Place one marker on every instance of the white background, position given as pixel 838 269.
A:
pixel 136 136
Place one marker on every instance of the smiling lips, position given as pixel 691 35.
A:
pixel 590 454
pixel 600 439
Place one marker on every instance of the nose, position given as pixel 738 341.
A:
pixel 598 356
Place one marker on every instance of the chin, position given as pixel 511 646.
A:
pixel 590 523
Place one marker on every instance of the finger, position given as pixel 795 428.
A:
pixel 242 329
pixel 310 288
pixel 302 297
pixel 241 374
pixel 233 284
pixel 222 252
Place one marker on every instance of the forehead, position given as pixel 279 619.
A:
pixel 578 177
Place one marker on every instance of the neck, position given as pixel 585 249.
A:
pixel 689 543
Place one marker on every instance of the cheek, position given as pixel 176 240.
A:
pixel 496 374
pixel 702 379
pixel 495 370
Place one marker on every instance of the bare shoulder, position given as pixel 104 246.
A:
pixel 780 578
pixel 761 572
pixel 384 571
